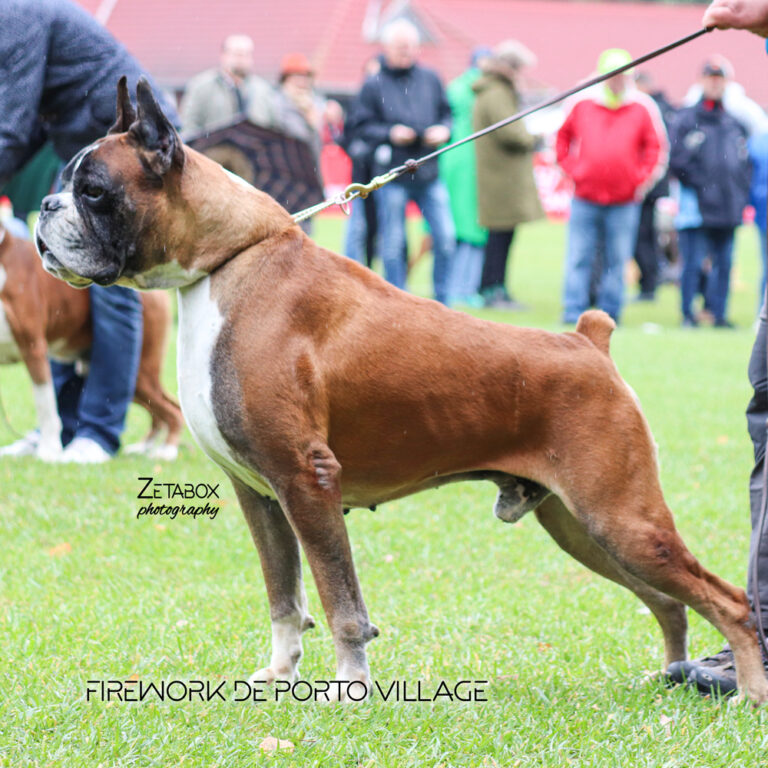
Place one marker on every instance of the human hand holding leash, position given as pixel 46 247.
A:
pixel 751 15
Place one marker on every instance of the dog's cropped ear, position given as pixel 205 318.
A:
pixel 126 114
pixel 159 143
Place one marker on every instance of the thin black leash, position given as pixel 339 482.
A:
pixel 411 166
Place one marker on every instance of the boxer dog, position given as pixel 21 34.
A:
pixel 318 387
pixel 42 316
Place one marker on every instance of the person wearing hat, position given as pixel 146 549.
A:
pixel 299 109
pixel 710 158
pixel 222 94
pixel 613 145
pixel 506 190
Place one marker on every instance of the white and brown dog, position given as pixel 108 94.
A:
pixel 317 386
pixel 41 316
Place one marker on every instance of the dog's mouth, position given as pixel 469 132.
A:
pixel 56 268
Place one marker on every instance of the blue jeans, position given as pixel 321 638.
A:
pixel 466 271
pixel 356 233
pixel 695 245
pixel 95 406
pixel 592 226
pixel 432 199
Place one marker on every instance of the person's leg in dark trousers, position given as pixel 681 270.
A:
pixel 757 413
pixel 647 250
pixel 693 249
pixel 69 387
pixel 493 280
pixel 117 330
pixel 720 247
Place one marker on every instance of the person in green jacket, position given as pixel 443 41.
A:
pixel 458 172
pixel 507 194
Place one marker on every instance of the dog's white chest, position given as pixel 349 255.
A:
pixel 200 324
pixel 9 350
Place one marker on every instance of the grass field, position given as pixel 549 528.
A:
pixel 88 591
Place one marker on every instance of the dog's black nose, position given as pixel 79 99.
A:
pixel 50 203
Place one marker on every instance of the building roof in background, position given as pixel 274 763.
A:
pixel 175 39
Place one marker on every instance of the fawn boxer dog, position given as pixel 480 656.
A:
pixel 317 387
pixel 40 315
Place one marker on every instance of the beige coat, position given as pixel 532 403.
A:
pixel 506 191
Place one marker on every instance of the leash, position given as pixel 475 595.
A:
pixel 355 190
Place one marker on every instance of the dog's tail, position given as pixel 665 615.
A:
pixel 597 326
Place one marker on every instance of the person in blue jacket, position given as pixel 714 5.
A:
pixel 710 158
pixel 60 72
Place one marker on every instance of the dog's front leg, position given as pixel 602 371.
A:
pixel 281 565
pixel 311 497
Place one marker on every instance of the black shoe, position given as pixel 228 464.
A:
pixel 723 324
pixel 713 675
pixel 690 322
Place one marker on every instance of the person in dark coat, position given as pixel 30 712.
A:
pixel 506 191
pixel 60 72
pixel 404 113
pixel 710 157
pixel 647 250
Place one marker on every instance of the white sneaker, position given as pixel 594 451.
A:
pixel 24 446
pixel 83 450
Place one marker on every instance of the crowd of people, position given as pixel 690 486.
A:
pixel 622 145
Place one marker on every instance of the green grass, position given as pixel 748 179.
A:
pixel 88 591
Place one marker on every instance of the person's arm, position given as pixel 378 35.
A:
pixel 371 123
pixel 23 51
pixel 684 157
pixel 563 143
pixel 751 15
pixel 440 131
pixel 191 109
pixel 514 136
pixel 654 149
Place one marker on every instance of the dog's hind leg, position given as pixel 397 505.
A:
pixel 572 537
pixel 636 528
pixel 281 564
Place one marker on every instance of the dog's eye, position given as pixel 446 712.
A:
pixel 93 192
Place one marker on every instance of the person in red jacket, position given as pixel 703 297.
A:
pixel 614 147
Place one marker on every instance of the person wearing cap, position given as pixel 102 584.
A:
pixel 219 95
pixel 715 674
pixel 404 113
pixel 507 194
pixel 299 109
pixel 613 145
pixel 458 170
pixel 710 158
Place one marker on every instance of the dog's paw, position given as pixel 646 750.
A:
pixel 270 674
pixel 164 452
pixel 136 448
pixel 24 446
pixel 357 687
pixel 49 451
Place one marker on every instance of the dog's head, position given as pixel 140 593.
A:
pixel 109 224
